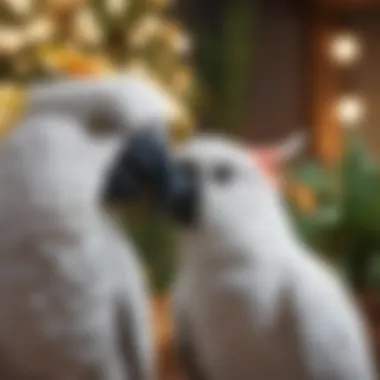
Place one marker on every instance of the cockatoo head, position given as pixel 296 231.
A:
pixel 143 120
pixel 82 142
pixel 220 186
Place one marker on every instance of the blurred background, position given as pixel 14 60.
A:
pixel 258 70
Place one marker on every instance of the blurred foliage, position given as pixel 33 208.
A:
pixel 156 243
pixel 226 46
pixel 337 210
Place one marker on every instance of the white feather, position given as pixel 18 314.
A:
pixel 257 304
pixel 73 303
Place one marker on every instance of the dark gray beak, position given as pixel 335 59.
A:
pixel 183 202
pixel 146 165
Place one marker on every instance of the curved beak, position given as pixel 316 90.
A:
pixel 142 165
pixel 146 164
pixel 184 195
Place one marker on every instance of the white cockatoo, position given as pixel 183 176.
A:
pixel 73 299
pixel 250 300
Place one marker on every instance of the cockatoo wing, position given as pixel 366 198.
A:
pixel 185 344
pixel 133 314
pixel 334 344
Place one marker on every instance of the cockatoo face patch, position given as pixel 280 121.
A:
pixel 80 142
pixel 206 176
pixel 221 183
pixel 59 161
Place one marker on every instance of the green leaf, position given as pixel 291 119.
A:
pixel 346 224
pixel 237 60
pixel 314 177
pixel 155 241
pixel 315 228
pixel 359 183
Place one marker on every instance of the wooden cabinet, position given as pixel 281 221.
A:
pixel 331 82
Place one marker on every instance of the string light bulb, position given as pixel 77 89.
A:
pixel 144 31
pixel 183 44
pixel 86 29
pixel 345 49
pixel 11 41
pixel 20 8
pixel 116 7
pixel 350 110
pixel 40 30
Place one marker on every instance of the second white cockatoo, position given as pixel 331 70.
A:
pixel 250 300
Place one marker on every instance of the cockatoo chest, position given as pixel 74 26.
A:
pixel 236 319
pixel 51 296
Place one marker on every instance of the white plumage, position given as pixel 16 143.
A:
pixel 251 302
pixel 73 303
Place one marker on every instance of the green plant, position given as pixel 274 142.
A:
pixel 154 237
pixel 345 223
pixel 225 61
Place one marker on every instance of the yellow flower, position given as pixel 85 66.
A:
pixel 171 33
pixel 145 30
pixel 181 124
pixel 182 81
pixel 304 198
pixel 12 105
pixel 86 28
pixel 12 40
pixel 73 63
pixel 116 7
pixel 182 44
pixel 138 67
pixel 20 8
pixel 40 30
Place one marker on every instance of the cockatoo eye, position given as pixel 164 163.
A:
pixel 222 174
pixel 103 124
pixel 101 129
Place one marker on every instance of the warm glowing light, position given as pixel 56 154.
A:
pixel 181 124
pixel 115 7
pixel 345 49
pixel 65 6
pixel 145 30
pixel 183 44
pixel 19 7
pixel 40 30
pixel 87 29
pixel 139 68
pixel 11 41
pixel 350 110
pixel 182 81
